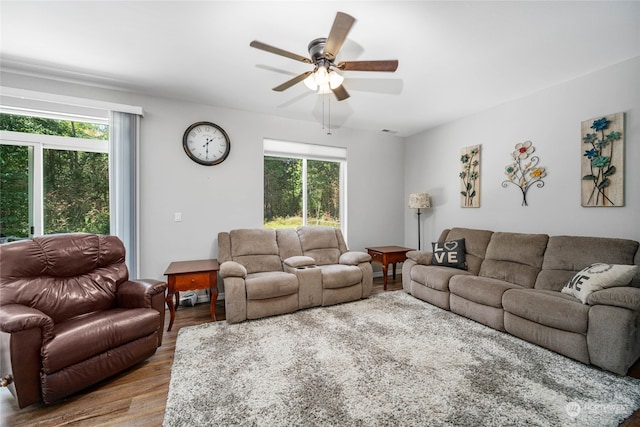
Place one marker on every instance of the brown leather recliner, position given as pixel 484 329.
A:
pixel 69 315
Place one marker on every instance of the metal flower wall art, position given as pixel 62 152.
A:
pixel 603 161
pixel 523 171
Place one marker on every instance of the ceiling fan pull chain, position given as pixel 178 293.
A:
pixel 322 112
pixel 329 112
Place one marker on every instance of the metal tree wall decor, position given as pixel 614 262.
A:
pixel 603 161
pixel 524 172
pixel 470 177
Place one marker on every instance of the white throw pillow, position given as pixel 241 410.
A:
pixel 599 276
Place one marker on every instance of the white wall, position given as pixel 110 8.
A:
pixel 551 120
pixel 382 170
pixel 230 195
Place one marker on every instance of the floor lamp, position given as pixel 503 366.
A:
pixel 419 201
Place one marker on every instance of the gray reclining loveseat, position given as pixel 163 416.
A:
pixel 268 272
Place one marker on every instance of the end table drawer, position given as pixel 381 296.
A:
pixel 377 256
pixel 195 280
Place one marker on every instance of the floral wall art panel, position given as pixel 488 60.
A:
pixel 470 177
pixel 523 171
pixel 603 161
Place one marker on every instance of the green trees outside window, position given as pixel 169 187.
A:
pixel 75 183
pixel 285 198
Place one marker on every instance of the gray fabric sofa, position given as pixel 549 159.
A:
pixel 268 272
pixel 513 283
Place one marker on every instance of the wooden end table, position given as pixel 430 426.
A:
pixel 190 276
pixel 386 255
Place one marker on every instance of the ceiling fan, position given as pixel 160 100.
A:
pixel 323 52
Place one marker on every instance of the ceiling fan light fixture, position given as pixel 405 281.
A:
pixel 323 80
pixel 325 88
pixel 335 79
pixel 322 76
pixel 310 82
pixel 322 55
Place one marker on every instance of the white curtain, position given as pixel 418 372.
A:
pixel 123 184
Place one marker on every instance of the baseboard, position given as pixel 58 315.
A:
pixel 204 297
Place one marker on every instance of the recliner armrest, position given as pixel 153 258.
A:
pixel 139 293
pixel 420 257
pixel 232 269
pixel 354 258
pixel 299 261
pixel 17 317
pixel 623 296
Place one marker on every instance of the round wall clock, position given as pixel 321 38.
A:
pixel 206 143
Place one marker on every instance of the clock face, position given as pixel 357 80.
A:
pixel 206 143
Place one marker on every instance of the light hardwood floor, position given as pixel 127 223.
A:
pixel 137 397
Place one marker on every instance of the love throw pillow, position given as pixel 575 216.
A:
pixel 599 276
pixel 449 254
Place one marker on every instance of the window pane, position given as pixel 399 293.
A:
pixel 323 193
pixel 43 126
pixel 76 191
pixel 14 192
pixel 282 192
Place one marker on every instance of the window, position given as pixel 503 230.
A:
pixel 304 184
pixel 57 168
pixel 54 176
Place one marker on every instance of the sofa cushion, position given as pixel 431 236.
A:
pixel 340 276
pixel 598 276
pixel 82 337
pixel 549 308
pixel 475 242
pixel 288 243
pixel 482 290
pixel 450 253
pixel 435 277
pixel 270 284
pixel 320 243
pixel 514 257
pixel 63 275
pixel 256 249
pixel 566 255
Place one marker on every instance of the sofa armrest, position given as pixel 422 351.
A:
pixel 420 257
pixel 16 318
pixel 623 296
pixel 23 330
pixel 354 258
pixel 299 261
pixel 139 293
pixel 232 269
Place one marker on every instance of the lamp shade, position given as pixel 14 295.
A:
pixel 419 200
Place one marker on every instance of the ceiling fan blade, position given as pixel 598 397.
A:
pixel 341 27
pixel 390 65
pixel 278 51
pixel 341 93
pixel 289 83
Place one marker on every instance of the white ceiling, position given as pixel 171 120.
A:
pixel 455 58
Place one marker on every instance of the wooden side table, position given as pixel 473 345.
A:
pixel 190 276
pixel 386 255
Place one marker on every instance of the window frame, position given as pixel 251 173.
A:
pixel 304 152
pixel 36 144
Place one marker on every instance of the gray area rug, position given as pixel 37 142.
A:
pixel 387 360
